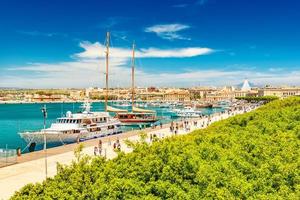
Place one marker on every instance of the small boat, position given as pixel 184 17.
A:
pixel 123 104
pixel 216 106
pixel 164 105
pixel 206 105
pixel 186 112
pixel 142 105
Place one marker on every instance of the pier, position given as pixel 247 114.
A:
pixel 30 167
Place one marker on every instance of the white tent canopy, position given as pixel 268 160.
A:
pixel 112 109
pixel 140 110
pixel 246 86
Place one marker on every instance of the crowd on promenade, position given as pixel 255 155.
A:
pixel 181 126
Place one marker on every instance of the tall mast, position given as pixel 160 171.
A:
pixel 132 77
pixel 106 74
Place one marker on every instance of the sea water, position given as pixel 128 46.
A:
pixel 15 118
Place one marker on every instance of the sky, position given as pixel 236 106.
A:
pixel 61 43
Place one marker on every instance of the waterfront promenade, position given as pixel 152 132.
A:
pixel 31 167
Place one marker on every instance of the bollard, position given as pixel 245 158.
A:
pixel 19 151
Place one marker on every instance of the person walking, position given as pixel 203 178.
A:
pixel 118 145
pixel 95 151
pixel 100 147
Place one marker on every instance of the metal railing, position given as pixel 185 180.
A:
pixel 8 157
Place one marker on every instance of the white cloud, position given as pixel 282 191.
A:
pixel 97 50
pixel 276 69
pixel 88 69
pixel 178 53
pixel 168 31
pixel 85 74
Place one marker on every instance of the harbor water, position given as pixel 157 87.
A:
pixel 15 118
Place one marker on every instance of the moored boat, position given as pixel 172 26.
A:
pixel 74 127
pixel 136 115
pixel 186 113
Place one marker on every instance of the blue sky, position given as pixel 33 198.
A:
pixel 50 44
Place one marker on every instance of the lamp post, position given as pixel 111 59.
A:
pixel 44 111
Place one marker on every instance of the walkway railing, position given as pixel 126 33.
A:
pixel 8 157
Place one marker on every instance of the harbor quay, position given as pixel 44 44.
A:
pixel 30 167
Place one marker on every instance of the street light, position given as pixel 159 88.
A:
pixel 44 111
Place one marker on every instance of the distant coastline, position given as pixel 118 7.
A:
pixel 75 101
pixel 39 102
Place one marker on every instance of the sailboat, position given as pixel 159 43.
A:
pixel 137 115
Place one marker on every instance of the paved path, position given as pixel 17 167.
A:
pixel 30 167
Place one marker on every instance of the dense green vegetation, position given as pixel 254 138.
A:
pixel 250 156
pixel 256 99
pixel 52 92
pixel 46 92
pixel 102 97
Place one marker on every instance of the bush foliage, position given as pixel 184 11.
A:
pixel 251 156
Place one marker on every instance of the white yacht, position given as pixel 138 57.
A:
pixel 186 112
pixel 122 104
pixel 78 126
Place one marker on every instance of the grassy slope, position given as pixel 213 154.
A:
pixel 250 156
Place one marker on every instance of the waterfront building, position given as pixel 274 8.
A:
pixel 226 93
pixel 152 96
pixel 198 93
pixel 251 93
pixel 279 91
pixel 77 94
pixel 176 95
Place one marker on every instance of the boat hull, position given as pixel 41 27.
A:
pixel 185 116
pixel 38 137
pixel 137 121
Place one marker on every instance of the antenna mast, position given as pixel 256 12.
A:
pixel 132 77
pixel 106 74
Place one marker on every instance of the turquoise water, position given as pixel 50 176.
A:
pixel 15 118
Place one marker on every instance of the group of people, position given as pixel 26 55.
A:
pixel 186 125
pixel 117 145
pixel 174 128
pixel 98 149
pixel 153 137
pixel 154 125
